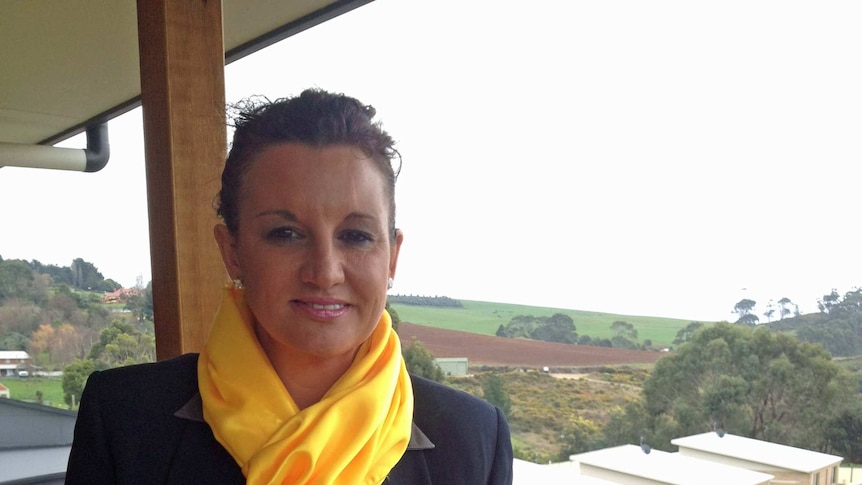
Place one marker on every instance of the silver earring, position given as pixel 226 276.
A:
pixel 237 284
pixel 390 283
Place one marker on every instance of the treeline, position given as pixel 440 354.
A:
pixel 416 300
pixel 560 328
pixel 557 328
pixel 837 326
pixel 56 314
pixel 747 381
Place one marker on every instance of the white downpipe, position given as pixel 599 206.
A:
pixel 41 156
pixel 91 159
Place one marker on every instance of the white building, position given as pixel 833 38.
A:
pixel 630 465
pixel 452 366
pixel 789 465
pixel 13 361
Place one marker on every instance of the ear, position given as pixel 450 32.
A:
pixel 227 246
pixel 393 256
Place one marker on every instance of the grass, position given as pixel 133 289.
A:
pixel 25 389
pixel 543 406
pixel 485 317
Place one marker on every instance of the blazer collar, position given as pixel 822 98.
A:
pixel 193 410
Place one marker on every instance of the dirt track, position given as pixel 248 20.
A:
pixel 497 351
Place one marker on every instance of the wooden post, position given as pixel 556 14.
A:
pixel 182 90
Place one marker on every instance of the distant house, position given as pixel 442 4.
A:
pixel 631 465
pixel 13 362
pixel 452 366
pixel 789 465
pixel 35 441
pixel 120 295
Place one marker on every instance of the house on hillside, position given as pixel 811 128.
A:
pixel 35 442
pixel 631 465
pixel 14 362
pixel 452 366
pixel 120 295
pixel 789 465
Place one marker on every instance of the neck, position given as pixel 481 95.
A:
pixel 306 377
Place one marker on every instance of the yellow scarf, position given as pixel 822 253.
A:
pixel 354 435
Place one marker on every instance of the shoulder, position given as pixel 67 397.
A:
pixel 432 394
pixel 470 436
pixel 443 412
pixel 164 385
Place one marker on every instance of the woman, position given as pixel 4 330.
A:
pixel 301 380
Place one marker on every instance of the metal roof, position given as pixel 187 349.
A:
pixel 71 63
pixel 758 451
pixel 663 467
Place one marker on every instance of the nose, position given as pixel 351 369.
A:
pixel 323 266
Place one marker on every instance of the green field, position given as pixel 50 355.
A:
pixel 25 389
pixel 485 317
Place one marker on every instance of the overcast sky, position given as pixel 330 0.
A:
pixel 654 158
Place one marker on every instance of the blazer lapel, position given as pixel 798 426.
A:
pixel 412 469
pixel 199 457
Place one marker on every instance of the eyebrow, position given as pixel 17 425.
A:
pixel 290 216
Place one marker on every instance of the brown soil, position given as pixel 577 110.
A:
pixel 499 351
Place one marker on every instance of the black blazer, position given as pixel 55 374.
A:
pixel 142 424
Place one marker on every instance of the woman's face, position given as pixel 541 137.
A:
pixel 312 248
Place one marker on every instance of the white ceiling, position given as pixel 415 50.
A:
pixel 64 63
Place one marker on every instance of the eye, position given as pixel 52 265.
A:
pixel 282 234
pixel 355 237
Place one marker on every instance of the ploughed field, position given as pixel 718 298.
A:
pixel 498 351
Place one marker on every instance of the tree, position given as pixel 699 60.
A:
pixel 686 334
pixel 521 326
pixel 844 433
pixel 748 319
pixel 826 303
pixel 57 346
pixel 770 311
pixel 396 320
pixel 74 378
pixel 420 362
pixel 14 341
pixel 494 391
pixel 753 382
pixel 141 305
pixel 121 344
pixel 784 305
pixel 625 335
pixel 743 308
pixel 579 435
pixel 19 316
pixel 839 325
pixel 17 281
pixel 85 276
pixel 556 328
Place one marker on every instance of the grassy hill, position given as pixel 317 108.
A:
pixel 485 317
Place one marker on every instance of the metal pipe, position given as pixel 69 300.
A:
pixel 91 159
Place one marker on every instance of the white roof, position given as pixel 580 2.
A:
pixel 758 451
pixel 529 473
pixel 670 468
pixel 14 354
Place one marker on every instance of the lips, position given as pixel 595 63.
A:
pixel 322 310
